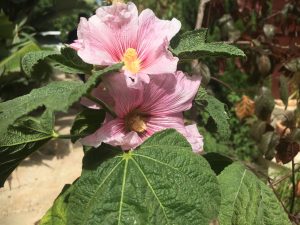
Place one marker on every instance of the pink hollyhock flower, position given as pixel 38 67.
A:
pixel 156 106
pixel 117 34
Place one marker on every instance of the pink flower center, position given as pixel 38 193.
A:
pixel 131 61
pixel 135 121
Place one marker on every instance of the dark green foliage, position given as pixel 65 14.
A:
pixel 217 161
pixel 264 105
pixel 69 62
pixel 193 45
pixel 57 96
pixel 87 122
pixel 23 138
pixel 31 59
pixel 284 90
pixel 216 110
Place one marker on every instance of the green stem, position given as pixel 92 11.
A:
pixel 103 104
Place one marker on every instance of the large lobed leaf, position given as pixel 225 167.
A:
pixel 248 201
pixel 193 45
pixel 57 96
pixel 22 139
pixel 162 182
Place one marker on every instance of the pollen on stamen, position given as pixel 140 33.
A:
pixel 131 61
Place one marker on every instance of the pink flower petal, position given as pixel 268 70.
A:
pixel 126 99
pixel 106 35
pixel 168 93
pixel 191 133
pixel 193 136
pixel 153 40
pixel 130 141
pixel 111 132
pixel 158 123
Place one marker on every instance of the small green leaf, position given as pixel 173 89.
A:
pixel 57 96
pixel 31 59
pixel 162 182
pixel 13 62
pixel 284 90
pixel 267 144
pixel 87 122
pixel 57 214
pixel 216 110
pixel 70 62
pixel 193 45
pixel 264 105
pixel 22 139
pixel 247 200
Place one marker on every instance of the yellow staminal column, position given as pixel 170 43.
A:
pixel 135 122
pixel 131 61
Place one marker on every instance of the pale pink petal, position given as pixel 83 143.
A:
pixel 136 80
pixel 153 41
pixel 160 61
pixel 106 35
pixel 126 99
pixel 194 138
pixel 158 123
pixel 111 132
pixel 89 103
pixel 130 141
pixel 168 93
pixel 191 133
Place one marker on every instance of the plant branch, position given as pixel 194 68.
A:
pixel 200 14
pixel 103 104
pixel 294 187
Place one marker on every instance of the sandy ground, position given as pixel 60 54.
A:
pixel 39 179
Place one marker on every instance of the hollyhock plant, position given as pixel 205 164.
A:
pixel 118 34
pixel 141 112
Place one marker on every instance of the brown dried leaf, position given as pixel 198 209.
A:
pixel 286 151
pixel 245 108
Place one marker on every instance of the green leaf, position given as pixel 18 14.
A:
pixel 87 122
pixel 56 215
pixel 193 45
pixel 57 96
pixel 6 26
pixel 162 182
pixel 70 62
pixel 284 90
pixel 247 200
pixel 264 105
pixel 22 139
pixel 268 143
pixel 216 110
pixel 13 62
pixel 217 161
pixel 31 59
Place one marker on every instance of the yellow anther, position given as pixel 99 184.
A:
pixel 135 122
pixel 131 61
